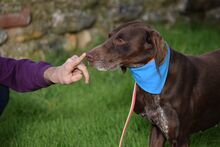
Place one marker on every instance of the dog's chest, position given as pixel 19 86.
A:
pixel 156 114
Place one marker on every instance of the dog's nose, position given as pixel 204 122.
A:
pixel 89 57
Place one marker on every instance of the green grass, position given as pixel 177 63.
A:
pixel 93 115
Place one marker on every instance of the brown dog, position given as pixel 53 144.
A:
pixel 190 99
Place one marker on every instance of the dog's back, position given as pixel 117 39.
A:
pixel 206 93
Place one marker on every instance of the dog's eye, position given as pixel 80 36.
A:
pixel 119 41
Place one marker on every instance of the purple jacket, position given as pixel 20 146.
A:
pixel 22 75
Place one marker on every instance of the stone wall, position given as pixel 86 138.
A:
pixel 29 28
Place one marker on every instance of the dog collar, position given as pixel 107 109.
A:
pixel 148 78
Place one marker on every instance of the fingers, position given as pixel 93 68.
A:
pixel 85 72
pixel 75 66
pixel 82 57
pixel 77 71
pixel 76 77
pixel 81 66
pixel 76 60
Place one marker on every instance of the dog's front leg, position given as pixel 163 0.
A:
pixel 156 138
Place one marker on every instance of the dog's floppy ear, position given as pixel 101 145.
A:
pixel 158 45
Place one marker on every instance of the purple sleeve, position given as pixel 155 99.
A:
pixel 22 75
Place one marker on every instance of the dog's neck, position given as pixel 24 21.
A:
pixel 149 78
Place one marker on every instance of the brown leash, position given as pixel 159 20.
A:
pixel 129 115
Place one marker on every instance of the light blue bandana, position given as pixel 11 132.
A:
pixel 148 78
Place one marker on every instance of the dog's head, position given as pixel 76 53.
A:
pixel 130 45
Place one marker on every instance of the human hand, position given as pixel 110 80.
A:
pixel 70 72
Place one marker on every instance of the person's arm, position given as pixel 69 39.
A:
pixel 26 75
pixel 23 75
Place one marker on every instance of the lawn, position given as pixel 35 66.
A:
pixel 93 115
